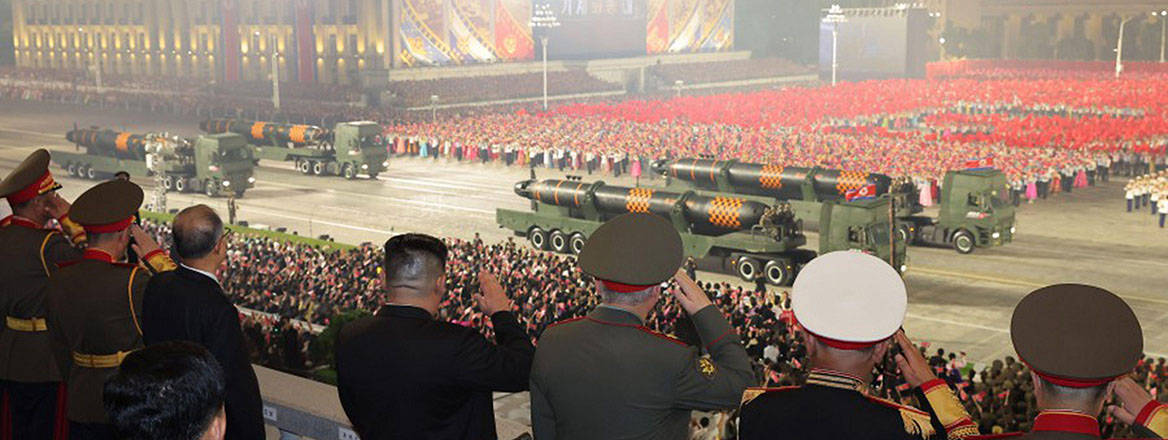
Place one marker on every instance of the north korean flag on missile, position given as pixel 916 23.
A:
pixel 861 193
pixel 984 163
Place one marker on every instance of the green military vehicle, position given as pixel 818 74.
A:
pixel 725 234
pixel 349 150
pixel 211 164
pixel 972 212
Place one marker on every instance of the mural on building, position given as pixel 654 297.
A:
pixel 442 32
pixel 678 26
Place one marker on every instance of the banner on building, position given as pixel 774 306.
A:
pixel 681 26
pixel 446 32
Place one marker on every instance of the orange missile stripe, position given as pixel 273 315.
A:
pixel 257 130
pixel 121 142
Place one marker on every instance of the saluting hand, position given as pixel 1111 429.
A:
pixel 143 242
pixel 691 297
pixel 491 297
pixel 913 367
pixel 1132 397
pixel 57 206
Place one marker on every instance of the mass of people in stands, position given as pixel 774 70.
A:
pixel 286 290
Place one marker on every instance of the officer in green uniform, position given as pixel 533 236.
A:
pixel 606 376
pixel 1081 343
pixel 849 307
pixel 93 303
pixel 28 373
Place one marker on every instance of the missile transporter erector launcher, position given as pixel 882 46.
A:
pixel 211 164
pixel 349 150
pixel 723 233
pixel 972 210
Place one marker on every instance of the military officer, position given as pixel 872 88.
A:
pixel 849 307
pixel 29 374
pixel 93 303
pixel 1081 342
pixel 606 376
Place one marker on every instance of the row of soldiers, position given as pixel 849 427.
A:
pixel 70 298
pixel 1149 190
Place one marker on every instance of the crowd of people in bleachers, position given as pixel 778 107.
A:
pixel 417 93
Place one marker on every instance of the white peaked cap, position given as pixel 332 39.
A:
pixel 849 298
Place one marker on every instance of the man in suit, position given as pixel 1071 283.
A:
pixel 607 376
pixel 188 304
pixel 94 305
pixel 849 307
pixel 29 254
pixel 1081 344
pixel 403 374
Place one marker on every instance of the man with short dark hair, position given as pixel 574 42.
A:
pixel 403 374
pixel 170 391
pixel 189 304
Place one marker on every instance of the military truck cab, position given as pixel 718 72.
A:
pixel 357 151
pixel 975 212
pixel 223 164
pixel 861 225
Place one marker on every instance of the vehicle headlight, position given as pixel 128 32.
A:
pixel 365 166
pixel 251 180
pixel 226 183
pixel 997 235
pixel 385 164
pixel 1012 230
pixel 903 268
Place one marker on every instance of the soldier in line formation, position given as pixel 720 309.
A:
pixel 1151 191
pixel 69 300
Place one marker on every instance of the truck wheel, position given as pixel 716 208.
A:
pixel 748 268
pixel 777 273
pixel 963 242
pixel 303 166
pixel 904 232
pixel 71 168
pixel 576 243
pixel 349 172
pixel 239 193
pixel 317 168
pixel 168 182
pixel 372 176
pixel 180 184
pixel 538 238
pixel 90 173
pixel 210 188
pixel 558 241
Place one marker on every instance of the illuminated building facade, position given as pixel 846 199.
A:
pixel 225 40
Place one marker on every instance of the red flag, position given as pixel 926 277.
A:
pixel 861 193
pixel 983 163
pixel 512 42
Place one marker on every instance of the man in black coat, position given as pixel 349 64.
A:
pixel 403 374
pixel 189 304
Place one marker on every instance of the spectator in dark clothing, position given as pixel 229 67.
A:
pixel 170 391
pixel 188 304
pixel 402 374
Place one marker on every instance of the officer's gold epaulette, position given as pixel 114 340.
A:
pixel 753 392
pixel 916 422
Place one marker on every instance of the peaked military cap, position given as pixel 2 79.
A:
pixel 849 300
pixel 1076 335
pixel 108 207
pixel 633 252
pixel 30 179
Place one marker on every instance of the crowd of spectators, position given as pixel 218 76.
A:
pixel 417 93
pixel 289 291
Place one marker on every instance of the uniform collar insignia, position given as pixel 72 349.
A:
pixel 836 379
pixel 1066 421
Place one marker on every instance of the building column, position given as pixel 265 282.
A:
pixel 1093 30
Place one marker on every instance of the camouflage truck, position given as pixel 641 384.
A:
pixel 211 164
pixel 722 233
pixel 971 213
pixel 348 150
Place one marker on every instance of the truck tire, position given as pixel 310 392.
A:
pixel 303 166
pixel 180 184
pixel 90 173
pixel 317 168
pixel 538 238
pixel 349 171
pixel 372 176
pixel 558 241
pixel 747 268
pixel 777 273
pixel 963 242
pixel 71 168
pixel 168 182
pixel 576 243
pixel 904 231
pixel 210 188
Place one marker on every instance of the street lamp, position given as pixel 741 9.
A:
pixel 544 18
pixel 1119 48
pixel 1163 29
pixel 433 108
pixel 275 72
pixel 834 17
pixel 677 85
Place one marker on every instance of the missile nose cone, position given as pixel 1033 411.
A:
pixel 660 166
pixel 522 188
